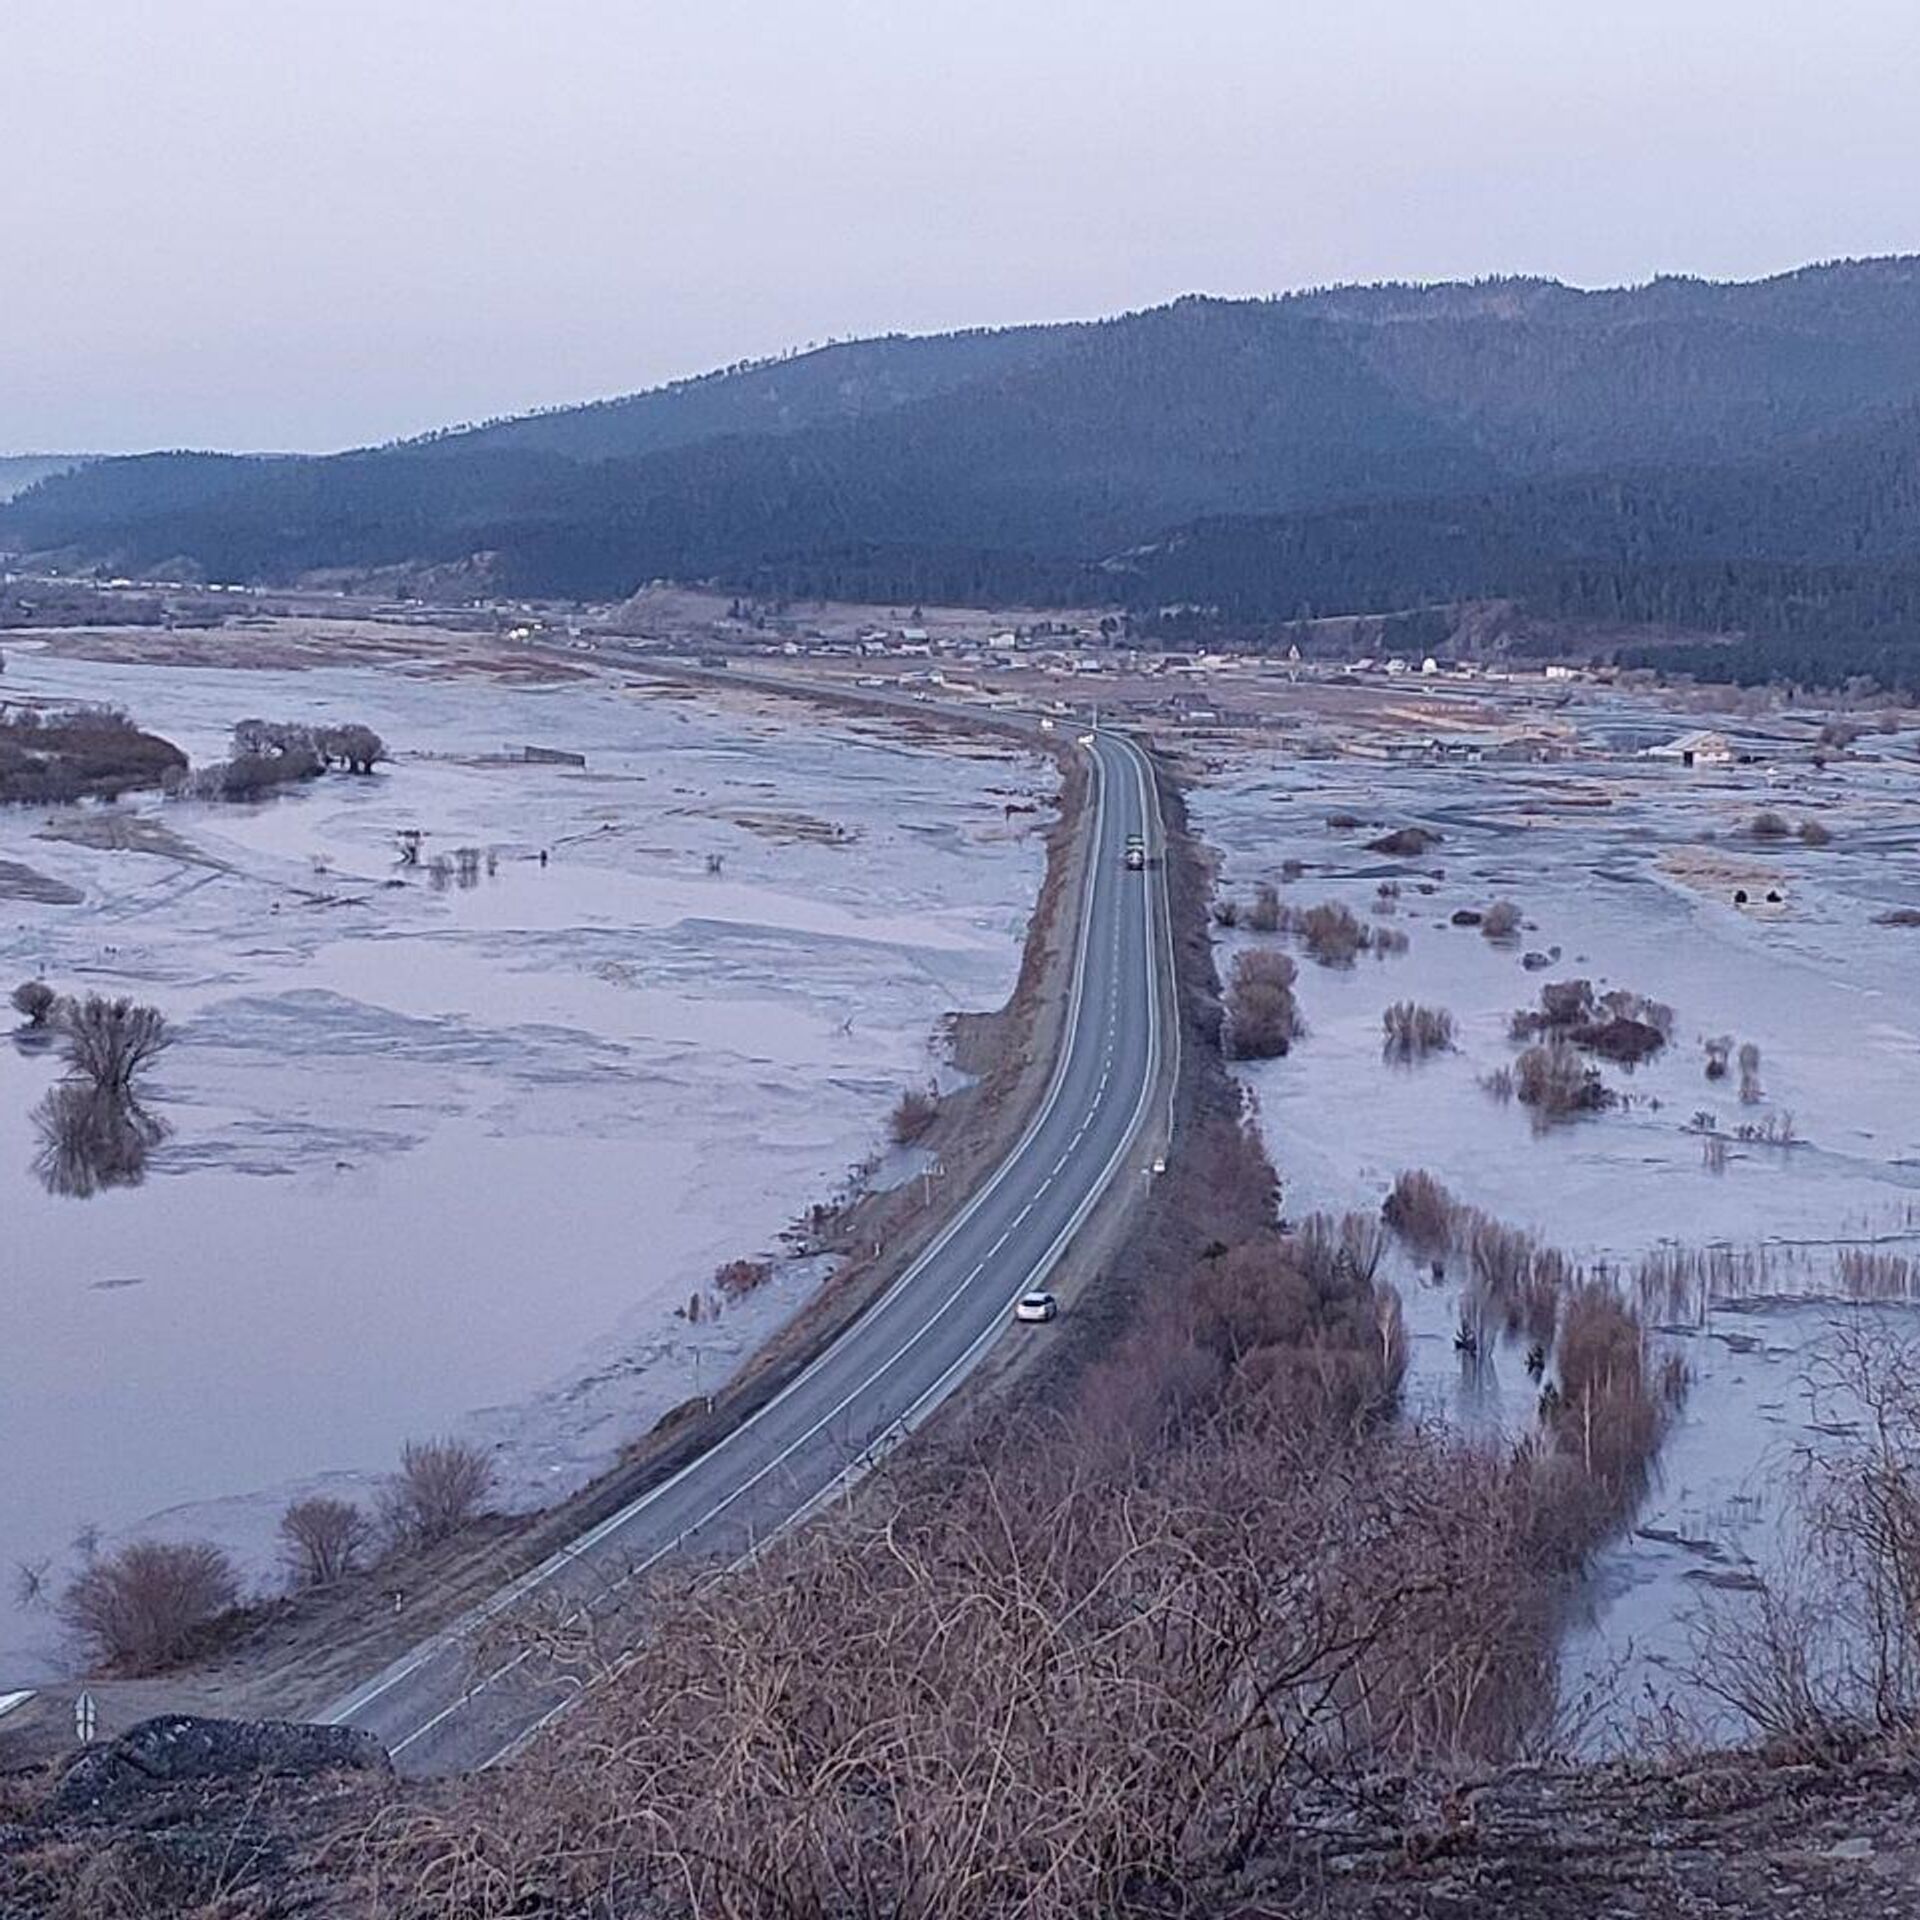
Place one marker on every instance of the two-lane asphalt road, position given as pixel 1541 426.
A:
pixel 439 1709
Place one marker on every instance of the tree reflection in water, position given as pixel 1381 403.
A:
pixel 92 1138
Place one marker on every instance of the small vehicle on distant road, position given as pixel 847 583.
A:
pixel 1136 853
pixel 1036 1307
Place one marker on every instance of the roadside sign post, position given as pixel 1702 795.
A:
pixel 86 1718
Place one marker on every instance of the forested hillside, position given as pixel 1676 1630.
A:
pixel 18 471
pixel 1811 554
pixel 1735 458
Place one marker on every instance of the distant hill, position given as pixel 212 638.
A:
pixel 1810 555
pixel 18 471
pixel 1344 449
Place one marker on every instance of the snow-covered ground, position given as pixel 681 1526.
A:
pixel 445 1157
pixel 1611 866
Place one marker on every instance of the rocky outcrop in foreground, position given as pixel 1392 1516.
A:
pixel 176 1749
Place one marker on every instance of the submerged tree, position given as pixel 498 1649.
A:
pixel 110 1042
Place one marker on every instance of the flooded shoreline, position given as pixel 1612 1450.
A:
pixel 445 1156
pixel 1593 853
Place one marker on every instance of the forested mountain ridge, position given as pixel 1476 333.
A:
pixel 1337 450
pixel 844 381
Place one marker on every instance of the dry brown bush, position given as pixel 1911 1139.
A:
pixel 1563 1004
pixel 1814 833
pixel 1749 1073
pixel 1613 1405
pixel 1768 825
pixel 322 1540
pixel 1386 940
pixel 1556 1083
pixel 1264 915
pixel 1020 1689
pixel 442 1485
pixel 735 1279
pixel 149 1604
pixel 913 1113
pixel 1501 921
pixel 1263 1019
pixel 1423 1213
pixel 1331 934
pixel 1412 1032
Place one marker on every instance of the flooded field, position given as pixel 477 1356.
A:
pixel 446 1150
pixel 1625 873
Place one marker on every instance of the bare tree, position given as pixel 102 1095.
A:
pixel 322 1540
pixel 440 1487
pixel 146 1606
pixel 111 1041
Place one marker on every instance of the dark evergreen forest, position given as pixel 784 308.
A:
pixel 1736 462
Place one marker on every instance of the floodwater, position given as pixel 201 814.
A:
pixel 445 1157
pixel 1598 856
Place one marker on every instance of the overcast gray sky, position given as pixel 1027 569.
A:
pixel 308 223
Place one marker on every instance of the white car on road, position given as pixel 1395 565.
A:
pixel 1036 1307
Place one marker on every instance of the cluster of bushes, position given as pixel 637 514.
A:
pixel 151 1604
pixel 79 753
pixel 1331 933
pixel 266 754
pixel 1619 1025
pixel 1263 1018
pixel 1605 1401
pixel 1769 825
